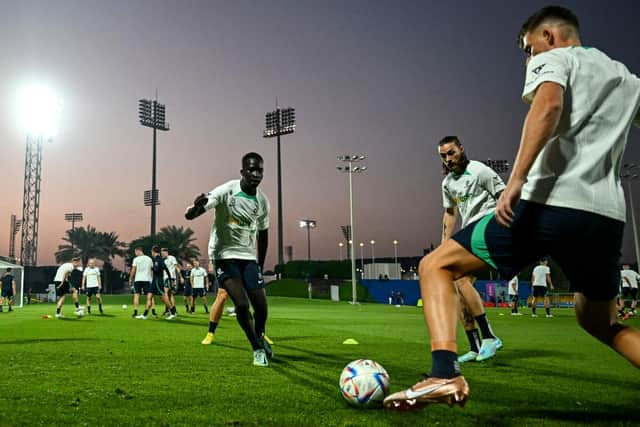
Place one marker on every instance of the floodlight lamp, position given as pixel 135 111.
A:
pixel 341 244
pixel 361 244
pixel 39 111
pixel 373 242
pixel 395 242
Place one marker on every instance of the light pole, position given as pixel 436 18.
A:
pixel 280 122
pixel 499 166
pixel 395 251
pixel 351 169
pixel 340 245
pixel 308 224
pixel 40 109
pixel 373 259
pixel 13 230
pixel 152 115
pixel 73 217
pixel 362 258
pixel 628 176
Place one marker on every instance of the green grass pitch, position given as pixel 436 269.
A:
pixel 116 371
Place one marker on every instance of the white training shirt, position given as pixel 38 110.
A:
pixel 631 276
pixel 238 218
pixel 197 277
pixel 92 276
pixel 171 262
pixel 474 192
pixel 65 268
pixel 513 282
pixel 143 265
pixel 579 167
pixel 540 275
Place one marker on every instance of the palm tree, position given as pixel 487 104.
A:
pixel 179 241
pixel 87 243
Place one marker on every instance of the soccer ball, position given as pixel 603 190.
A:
pixel 124 306
pixel 364 383
pixel 80 313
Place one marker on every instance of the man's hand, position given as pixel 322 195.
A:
pixel 508 201
pixel 197 208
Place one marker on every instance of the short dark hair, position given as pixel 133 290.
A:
pixel 8 269
pixel 75 258
pixel 251 155
pixel 449 138
pixel 554 12
pixel 155 248
pixel 165 249
pixel 138 248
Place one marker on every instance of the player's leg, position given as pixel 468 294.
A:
pixel 473 334
pixel 99 299
pixel 634 300
pixel 88 301
pixel 598 318
pixel 136 300
pixel 12 300
pixel 149 303
pixel 76 299
pixel 215 315
pixel 255 290
pixel 534 304
pixel 547 305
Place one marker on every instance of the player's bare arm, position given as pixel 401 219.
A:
pixel 448 222
pixel 197 208
pixel 263 244
pixel 132 275
pixel 540 125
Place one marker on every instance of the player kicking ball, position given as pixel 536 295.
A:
pixel 239 240
pixel 61 282
pixel 564 198
pixel 471 189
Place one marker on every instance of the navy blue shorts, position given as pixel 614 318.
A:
pixel 514 298
pixel 156 287
pixel 198 292
pixel 188 290
pixel 7 293
pixel 626 292
pixel 540 291
pixel 585 245
pixel 62 288
pixel 92 291
pixel 246 270
pixel 140 287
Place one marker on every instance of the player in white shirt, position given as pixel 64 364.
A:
pixel 629 283
pixel 240 239
pixel 92 284
pixel 513 295
pixel 564 198
pixel 63 287
pixel 540 283
pixel 170 279
pixel 199 285
pixel 140 278
pixel 471 189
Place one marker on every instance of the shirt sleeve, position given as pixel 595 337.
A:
pixel 263 221
pixel 447 200
pixel 216 196
pixel 491 181
pixel 551 66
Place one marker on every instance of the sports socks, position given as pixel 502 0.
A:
pixel 206 309
pixel 474 340
pixel 212 327
pixel 533 310
pixel 77 305
pixel 100 307
pixel 483 323
pixel 548 310
pixel 444 364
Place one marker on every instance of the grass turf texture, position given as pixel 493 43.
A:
pixel 114 370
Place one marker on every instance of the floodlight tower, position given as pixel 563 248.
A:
pixel 73 217
pixel 350 169
pixel 152 115
pixel 308 224
pixel 280 122
pixel 40 110
pixel 13 230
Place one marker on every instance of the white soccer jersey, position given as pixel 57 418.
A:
pixel 92 277
pixel 631 278
pixel 540 275
pixel 513 286
pixel 65 268
pixel 198 275
pixel 579 167
pixel 238 218
pixel 171 262
pixel 143 265
pixel 474 192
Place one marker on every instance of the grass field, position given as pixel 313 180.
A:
pixel 114 370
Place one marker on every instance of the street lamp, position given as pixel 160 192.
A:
pixel 308 224
pixel 350 169
pixel 395 251
pixel 39 112
pixel 280 122
pixel 362 258
pixel 152 115
pixel 340 245
pixel 628 176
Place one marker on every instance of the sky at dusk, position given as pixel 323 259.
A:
pixel 386 79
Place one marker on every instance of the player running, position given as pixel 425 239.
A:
pixel 471 189
pixel 629 282
pixel 240 240
pixel 8 289
pixel 564 198
pixel 92 284
pixel 61 282
pixel 200 285
pixel 157 286
pixel 541 281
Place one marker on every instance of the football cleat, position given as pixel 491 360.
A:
pixel 488 349
pixel 209 338
pixel 267 339
pixel 260 358
pixel 452 391
pixel 267 348
pixel 141 317
pixel 549 315
pixel 59 316
pixel 468 357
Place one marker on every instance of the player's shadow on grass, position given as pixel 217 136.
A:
pixel 310 379
pixel 618 415
pixel 45 340
pixel 186 322
pixel 103 315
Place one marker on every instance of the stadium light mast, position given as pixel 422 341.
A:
pixel 308 224
pixel 40 109
pixel 350 169
pixel 340 246
pixel 73 217
pixel 395 251
pixel 152 115
pixel 13 231
pixel 279 122
pixel 627 175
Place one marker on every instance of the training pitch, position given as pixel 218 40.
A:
pixel 113 370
